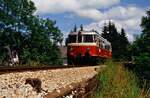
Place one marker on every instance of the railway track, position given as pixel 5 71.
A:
pixel 61 80
pixel 4 70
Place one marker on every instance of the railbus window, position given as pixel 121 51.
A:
pixel 88 38
pixel 103 44
pixel 96 38
pixel 72 38
pixel 107 47
pixel 100 43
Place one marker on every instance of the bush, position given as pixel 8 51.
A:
pixel 142 68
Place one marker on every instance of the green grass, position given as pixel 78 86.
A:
pixel 118 82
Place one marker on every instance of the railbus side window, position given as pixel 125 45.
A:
pixel 103 44
pixel 100 44
pixel 95 38
pixel 108 47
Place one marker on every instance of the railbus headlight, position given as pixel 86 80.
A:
pixel 71 49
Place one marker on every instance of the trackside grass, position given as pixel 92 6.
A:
pixel 118 82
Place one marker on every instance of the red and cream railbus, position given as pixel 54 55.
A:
pixel 86 47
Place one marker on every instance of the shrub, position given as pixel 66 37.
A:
pixel 142 68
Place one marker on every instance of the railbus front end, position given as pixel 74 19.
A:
pixel 86 47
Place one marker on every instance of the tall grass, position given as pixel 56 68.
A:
pixel 118 82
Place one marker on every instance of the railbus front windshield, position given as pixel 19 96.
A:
pixel 72 38
pixel 88 38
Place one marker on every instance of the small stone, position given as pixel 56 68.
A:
pixel 17 92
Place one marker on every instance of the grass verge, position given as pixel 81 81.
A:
pixel 118 82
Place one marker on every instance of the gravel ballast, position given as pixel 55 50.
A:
pixel 12 85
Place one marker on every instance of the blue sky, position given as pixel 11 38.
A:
pixel 93 13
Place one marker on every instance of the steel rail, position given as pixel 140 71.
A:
pixel 4 70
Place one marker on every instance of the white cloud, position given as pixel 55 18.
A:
pixel 97 4
pixel 82 8
pixel 90 13
pixel 121 12
pixel 55 6
pixel 87 8
pixel 132 24
pixel 130 37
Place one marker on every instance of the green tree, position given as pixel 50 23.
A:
pixel 118 40
pixel 124 45
pixel 35 38
pixel 146 25
pixel 141 49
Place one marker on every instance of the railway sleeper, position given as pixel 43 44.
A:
pixel 84 89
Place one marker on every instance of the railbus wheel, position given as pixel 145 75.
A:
pixel 70 61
